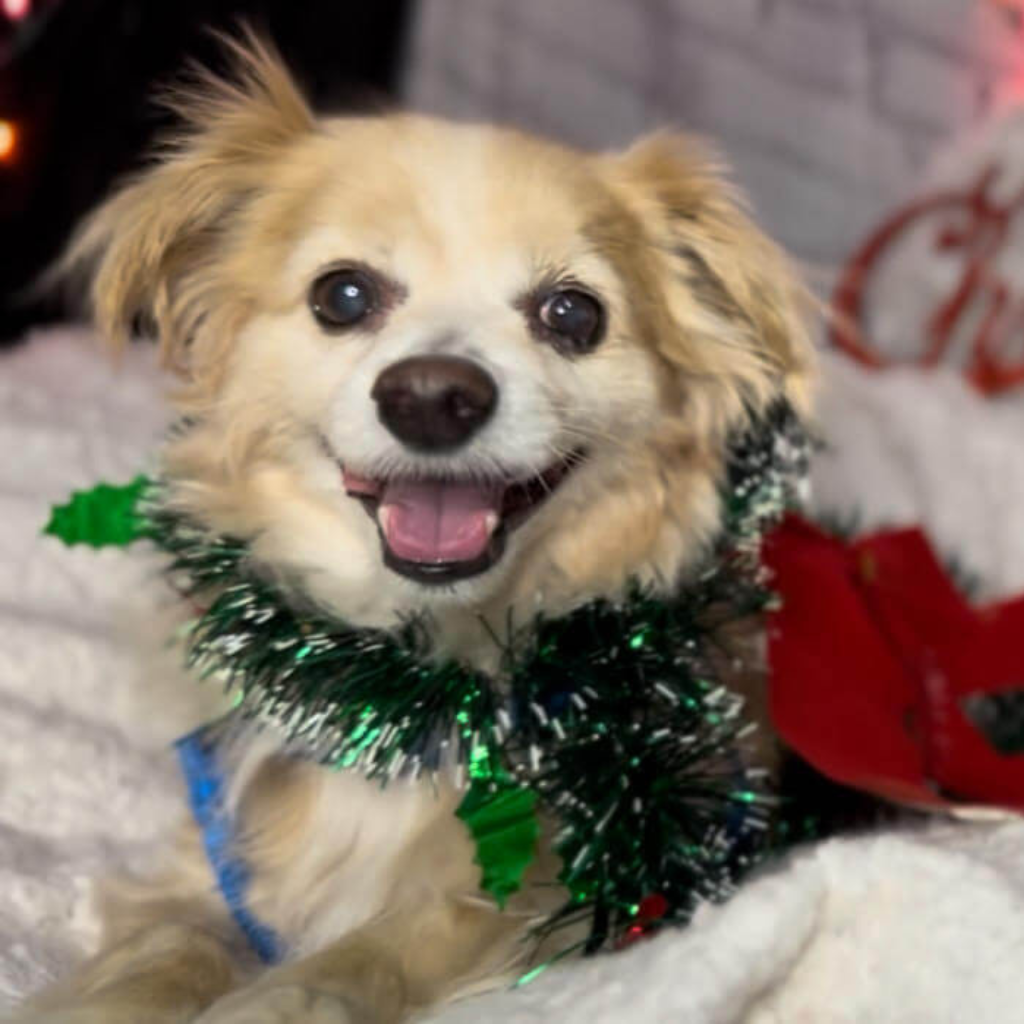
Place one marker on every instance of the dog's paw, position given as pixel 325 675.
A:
pixel 283 1004
pixel 76 1015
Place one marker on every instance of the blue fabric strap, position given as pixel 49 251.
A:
pixel 206 784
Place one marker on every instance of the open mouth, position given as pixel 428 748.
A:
pixel 437 531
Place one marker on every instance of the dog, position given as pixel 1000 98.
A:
pixel 524 361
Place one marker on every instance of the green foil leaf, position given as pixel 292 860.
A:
pixel 103 516
pixel 504 826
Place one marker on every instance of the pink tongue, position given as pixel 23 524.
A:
pixel 435 521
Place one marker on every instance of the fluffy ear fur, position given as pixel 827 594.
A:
pixel 732 311
pixel 152 249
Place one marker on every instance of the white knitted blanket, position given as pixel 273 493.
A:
pixel 925 927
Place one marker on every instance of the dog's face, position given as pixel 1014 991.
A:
pixel 446 365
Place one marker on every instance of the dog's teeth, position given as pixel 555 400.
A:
pixel 491 521
pixel 383 514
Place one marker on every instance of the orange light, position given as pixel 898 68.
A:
pixel 8 141
pixel 16 9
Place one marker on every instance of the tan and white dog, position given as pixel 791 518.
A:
pixel 524 362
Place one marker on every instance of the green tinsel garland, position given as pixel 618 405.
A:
pixel 609 720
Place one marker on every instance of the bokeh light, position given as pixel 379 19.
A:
pixel 8 141
pixel 16 9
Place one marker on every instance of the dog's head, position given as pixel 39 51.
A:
pixel 439 364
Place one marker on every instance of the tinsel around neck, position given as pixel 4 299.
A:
pixel 609 719
pixel 379 700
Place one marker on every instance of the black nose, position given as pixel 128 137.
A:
pixel 434 403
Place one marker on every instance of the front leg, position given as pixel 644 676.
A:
pixel 410 960
pixel 165 975
pixel 355 981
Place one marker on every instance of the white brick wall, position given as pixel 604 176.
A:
pixel 828 108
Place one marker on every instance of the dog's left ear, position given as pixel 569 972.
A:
pixel 152 250
pixel 727 307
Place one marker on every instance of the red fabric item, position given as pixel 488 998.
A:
pixel 872 652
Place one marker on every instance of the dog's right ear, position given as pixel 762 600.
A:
pixel 151 250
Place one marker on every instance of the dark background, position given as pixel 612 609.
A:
pixel 76 81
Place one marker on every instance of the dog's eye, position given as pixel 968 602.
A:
pixel 575 317
pixel 341 298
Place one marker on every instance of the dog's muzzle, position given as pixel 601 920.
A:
pixel 437 529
